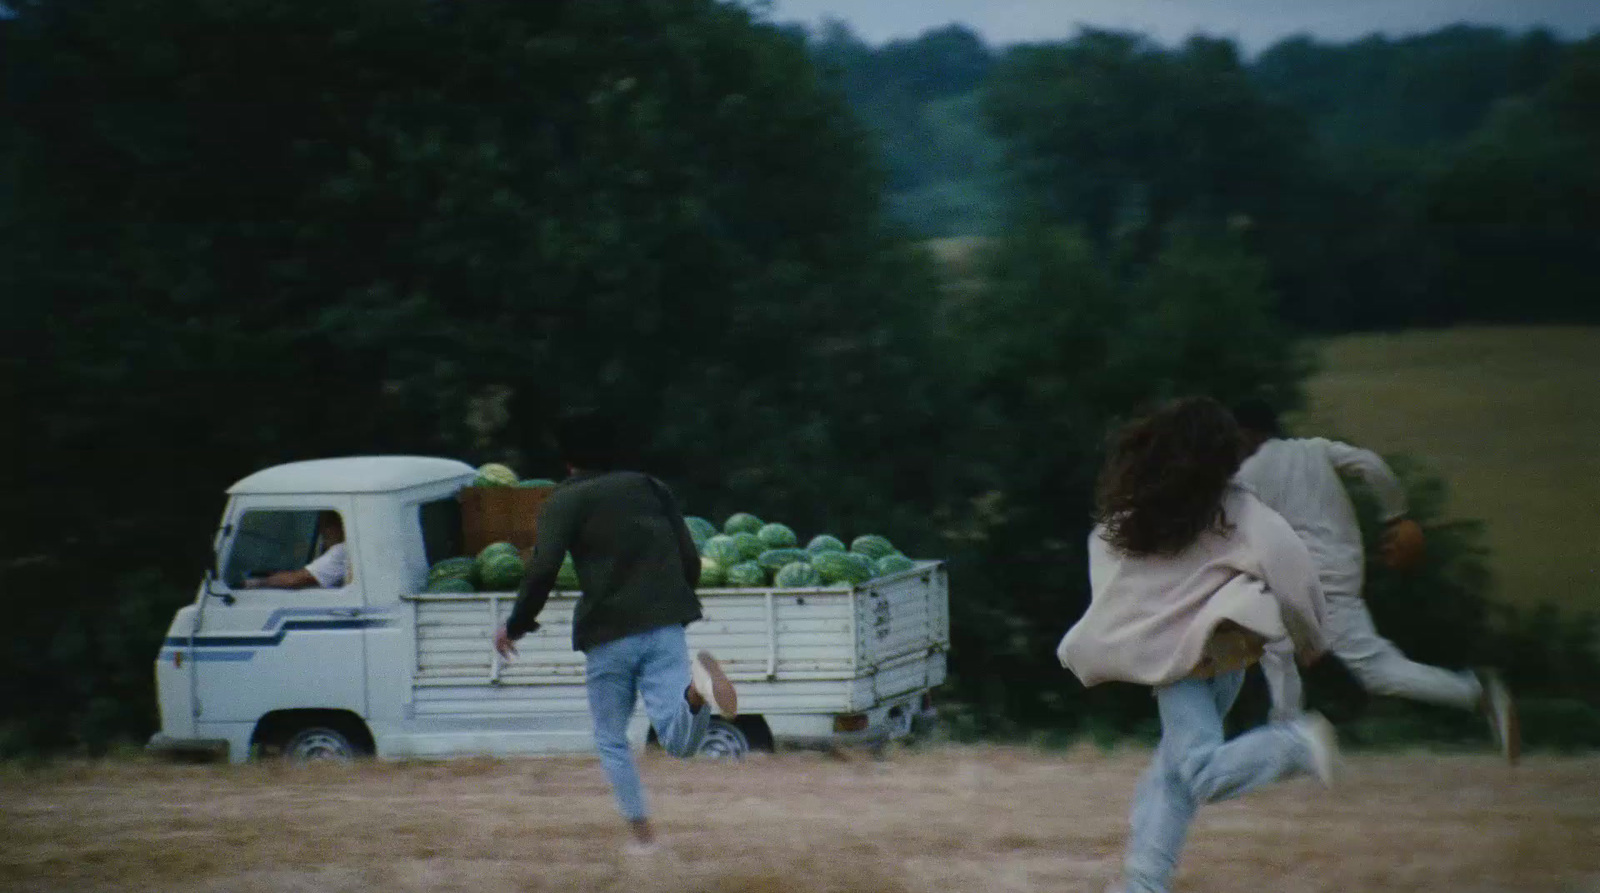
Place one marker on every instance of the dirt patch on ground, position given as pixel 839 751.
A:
pixel 972 818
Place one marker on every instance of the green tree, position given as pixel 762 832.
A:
pixel 1110 132
pixel 241 232
pixel 1518 208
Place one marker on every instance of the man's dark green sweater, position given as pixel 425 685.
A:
pixel 637 564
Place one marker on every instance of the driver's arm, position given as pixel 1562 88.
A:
pixel 299 578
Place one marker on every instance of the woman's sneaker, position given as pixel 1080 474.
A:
pixel 1501 712
pixel 713 686
pixel 1322 742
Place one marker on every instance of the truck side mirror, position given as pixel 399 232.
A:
pixel 211 578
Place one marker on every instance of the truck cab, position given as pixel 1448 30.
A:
pixel 291 669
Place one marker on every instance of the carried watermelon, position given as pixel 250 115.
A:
pixel 747 574
pixel 872 546
pixel 773 559
pixel 824 543
pixel 451 584
pixel 892 564
pixel 500 573
pixel 495 475
pixel 712 574
pixel 741 522
pixel 777 536
pixel 700 529
pixel 567 575
pixel 723 550
pixel 797 575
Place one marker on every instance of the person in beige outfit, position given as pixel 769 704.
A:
pixel 1299 478
pixel 1190 577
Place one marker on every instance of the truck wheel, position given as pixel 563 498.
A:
pixel 318 743
pixel 723 741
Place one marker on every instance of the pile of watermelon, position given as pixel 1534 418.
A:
pixel 747 552
pixel 498 568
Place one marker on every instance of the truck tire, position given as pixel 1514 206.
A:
pixel 723 741
pixel 319 743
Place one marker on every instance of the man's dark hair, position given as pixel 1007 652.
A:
pixel 1256 414
pixel 1165 475
pixel 588 439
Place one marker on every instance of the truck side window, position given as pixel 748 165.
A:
pixel 441 529
pixel 269 541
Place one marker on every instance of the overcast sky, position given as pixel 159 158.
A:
pixel 1255 24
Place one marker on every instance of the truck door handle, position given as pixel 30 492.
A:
pixel 345 612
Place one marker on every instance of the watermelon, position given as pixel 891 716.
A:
pixel 454 568
pixel 741 522
pixel 567 576
pixel 501 572
pixel 749 546
pixel 860 569
pixel 872 546
pixel 832 566
pixel 773 559
pixel 450 584
pixel 723 550
pixel 495 475
pixel 797 575
pixel 501 548
pixel 746 574
pixel 537 482
pixel 824 543
pixel 892 564
pixel 700 529
pixel 777 536
pixel 711 573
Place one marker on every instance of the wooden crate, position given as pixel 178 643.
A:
pixel 501 514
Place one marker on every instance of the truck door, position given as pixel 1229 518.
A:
pixel 280 647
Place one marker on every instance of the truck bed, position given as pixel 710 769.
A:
pixel 789 649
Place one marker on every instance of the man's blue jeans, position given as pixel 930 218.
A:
pixel 1192 766
pixel 653 665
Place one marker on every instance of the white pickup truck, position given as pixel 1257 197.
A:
pixel 378 666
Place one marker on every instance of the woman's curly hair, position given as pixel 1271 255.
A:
pixel 1165 475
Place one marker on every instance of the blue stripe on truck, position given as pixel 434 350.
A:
pixel 219 655
pixel 277 637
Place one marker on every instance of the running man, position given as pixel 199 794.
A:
pixel 638 568
pixel 1299 478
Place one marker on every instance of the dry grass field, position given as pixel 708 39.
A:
pixel 1510 416
pixel 937 819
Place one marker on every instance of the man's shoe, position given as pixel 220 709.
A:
pixel 712 685
pixel 1323 743
pixel 1501 711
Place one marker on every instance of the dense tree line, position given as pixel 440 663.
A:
pixel 241 232
pixel 1424 180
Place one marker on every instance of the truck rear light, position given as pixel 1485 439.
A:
pixel 849 722
pixel 177 659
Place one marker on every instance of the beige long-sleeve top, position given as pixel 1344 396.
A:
pixel 1155 619
pixel 1299 479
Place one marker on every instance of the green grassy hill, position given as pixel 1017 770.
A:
pixel 1510 417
